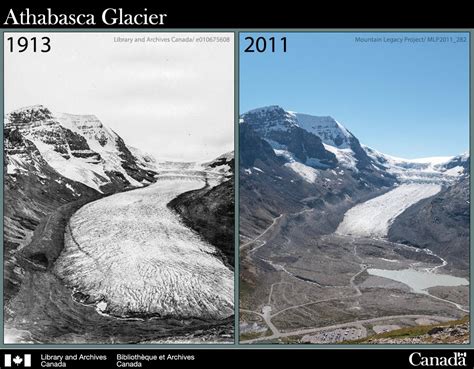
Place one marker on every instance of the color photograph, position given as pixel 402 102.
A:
pixel 354 182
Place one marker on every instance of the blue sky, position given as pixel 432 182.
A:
pixel 405 99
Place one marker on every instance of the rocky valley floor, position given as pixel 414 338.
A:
pixel 301 287
pixel 130 272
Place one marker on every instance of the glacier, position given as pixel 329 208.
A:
pixel 134 257
pixel 374 217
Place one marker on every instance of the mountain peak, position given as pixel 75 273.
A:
pixel 265 109
pixel 30 107
pixel 275 118
pixel 80 148
pixel 327 128
pixel 28 114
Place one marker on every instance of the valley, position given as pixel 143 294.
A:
pixel 323 265
pixel 334 282
pixel 170 270
pixel 93 251
pixel 84 297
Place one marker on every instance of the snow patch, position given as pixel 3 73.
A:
pixel 308 173
pixel 345 157
pixel 74 168
pixel 316 163
pixel 16 164
pixel 275 145
pixel 74 192
pixel 455 171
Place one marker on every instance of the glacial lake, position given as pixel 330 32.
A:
pixel 419 281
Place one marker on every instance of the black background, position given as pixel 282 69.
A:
pixel 236 14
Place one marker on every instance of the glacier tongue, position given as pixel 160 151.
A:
pixel 134 257
pixel 374 217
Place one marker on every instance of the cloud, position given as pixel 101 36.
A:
pixel 174 100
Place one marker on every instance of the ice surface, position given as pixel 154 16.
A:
pixel 374 217
pixel 132 253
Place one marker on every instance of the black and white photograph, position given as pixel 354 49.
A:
pixel 119 189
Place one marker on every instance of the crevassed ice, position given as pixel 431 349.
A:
pixel 134 254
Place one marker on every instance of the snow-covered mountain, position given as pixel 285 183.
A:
pixel 439 169
pixel 288 159
pixel 215 171
pixel 274 118
pixel 310 144
pixel 222 165
pixel 81 148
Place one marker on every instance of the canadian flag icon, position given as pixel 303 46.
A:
pixel 18 361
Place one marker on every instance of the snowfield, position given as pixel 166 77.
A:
pixel 134 257
pixel 307 173
pixel 436 169
pixel 374 217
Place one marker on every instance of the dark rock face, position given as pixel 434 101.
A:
pixel 210 212
pixel 224 161
pixel 304 146
pixel 262 197
pixel 274 118
pixel 130 165
pixel 32 114
pixel 460 161
pixel 252 147
pixel 440 223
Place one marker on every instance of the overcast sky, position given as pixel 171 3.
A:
pixel 173 100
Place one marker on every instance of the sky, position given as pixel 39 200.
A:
pixel 408 99
pixel 174 100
